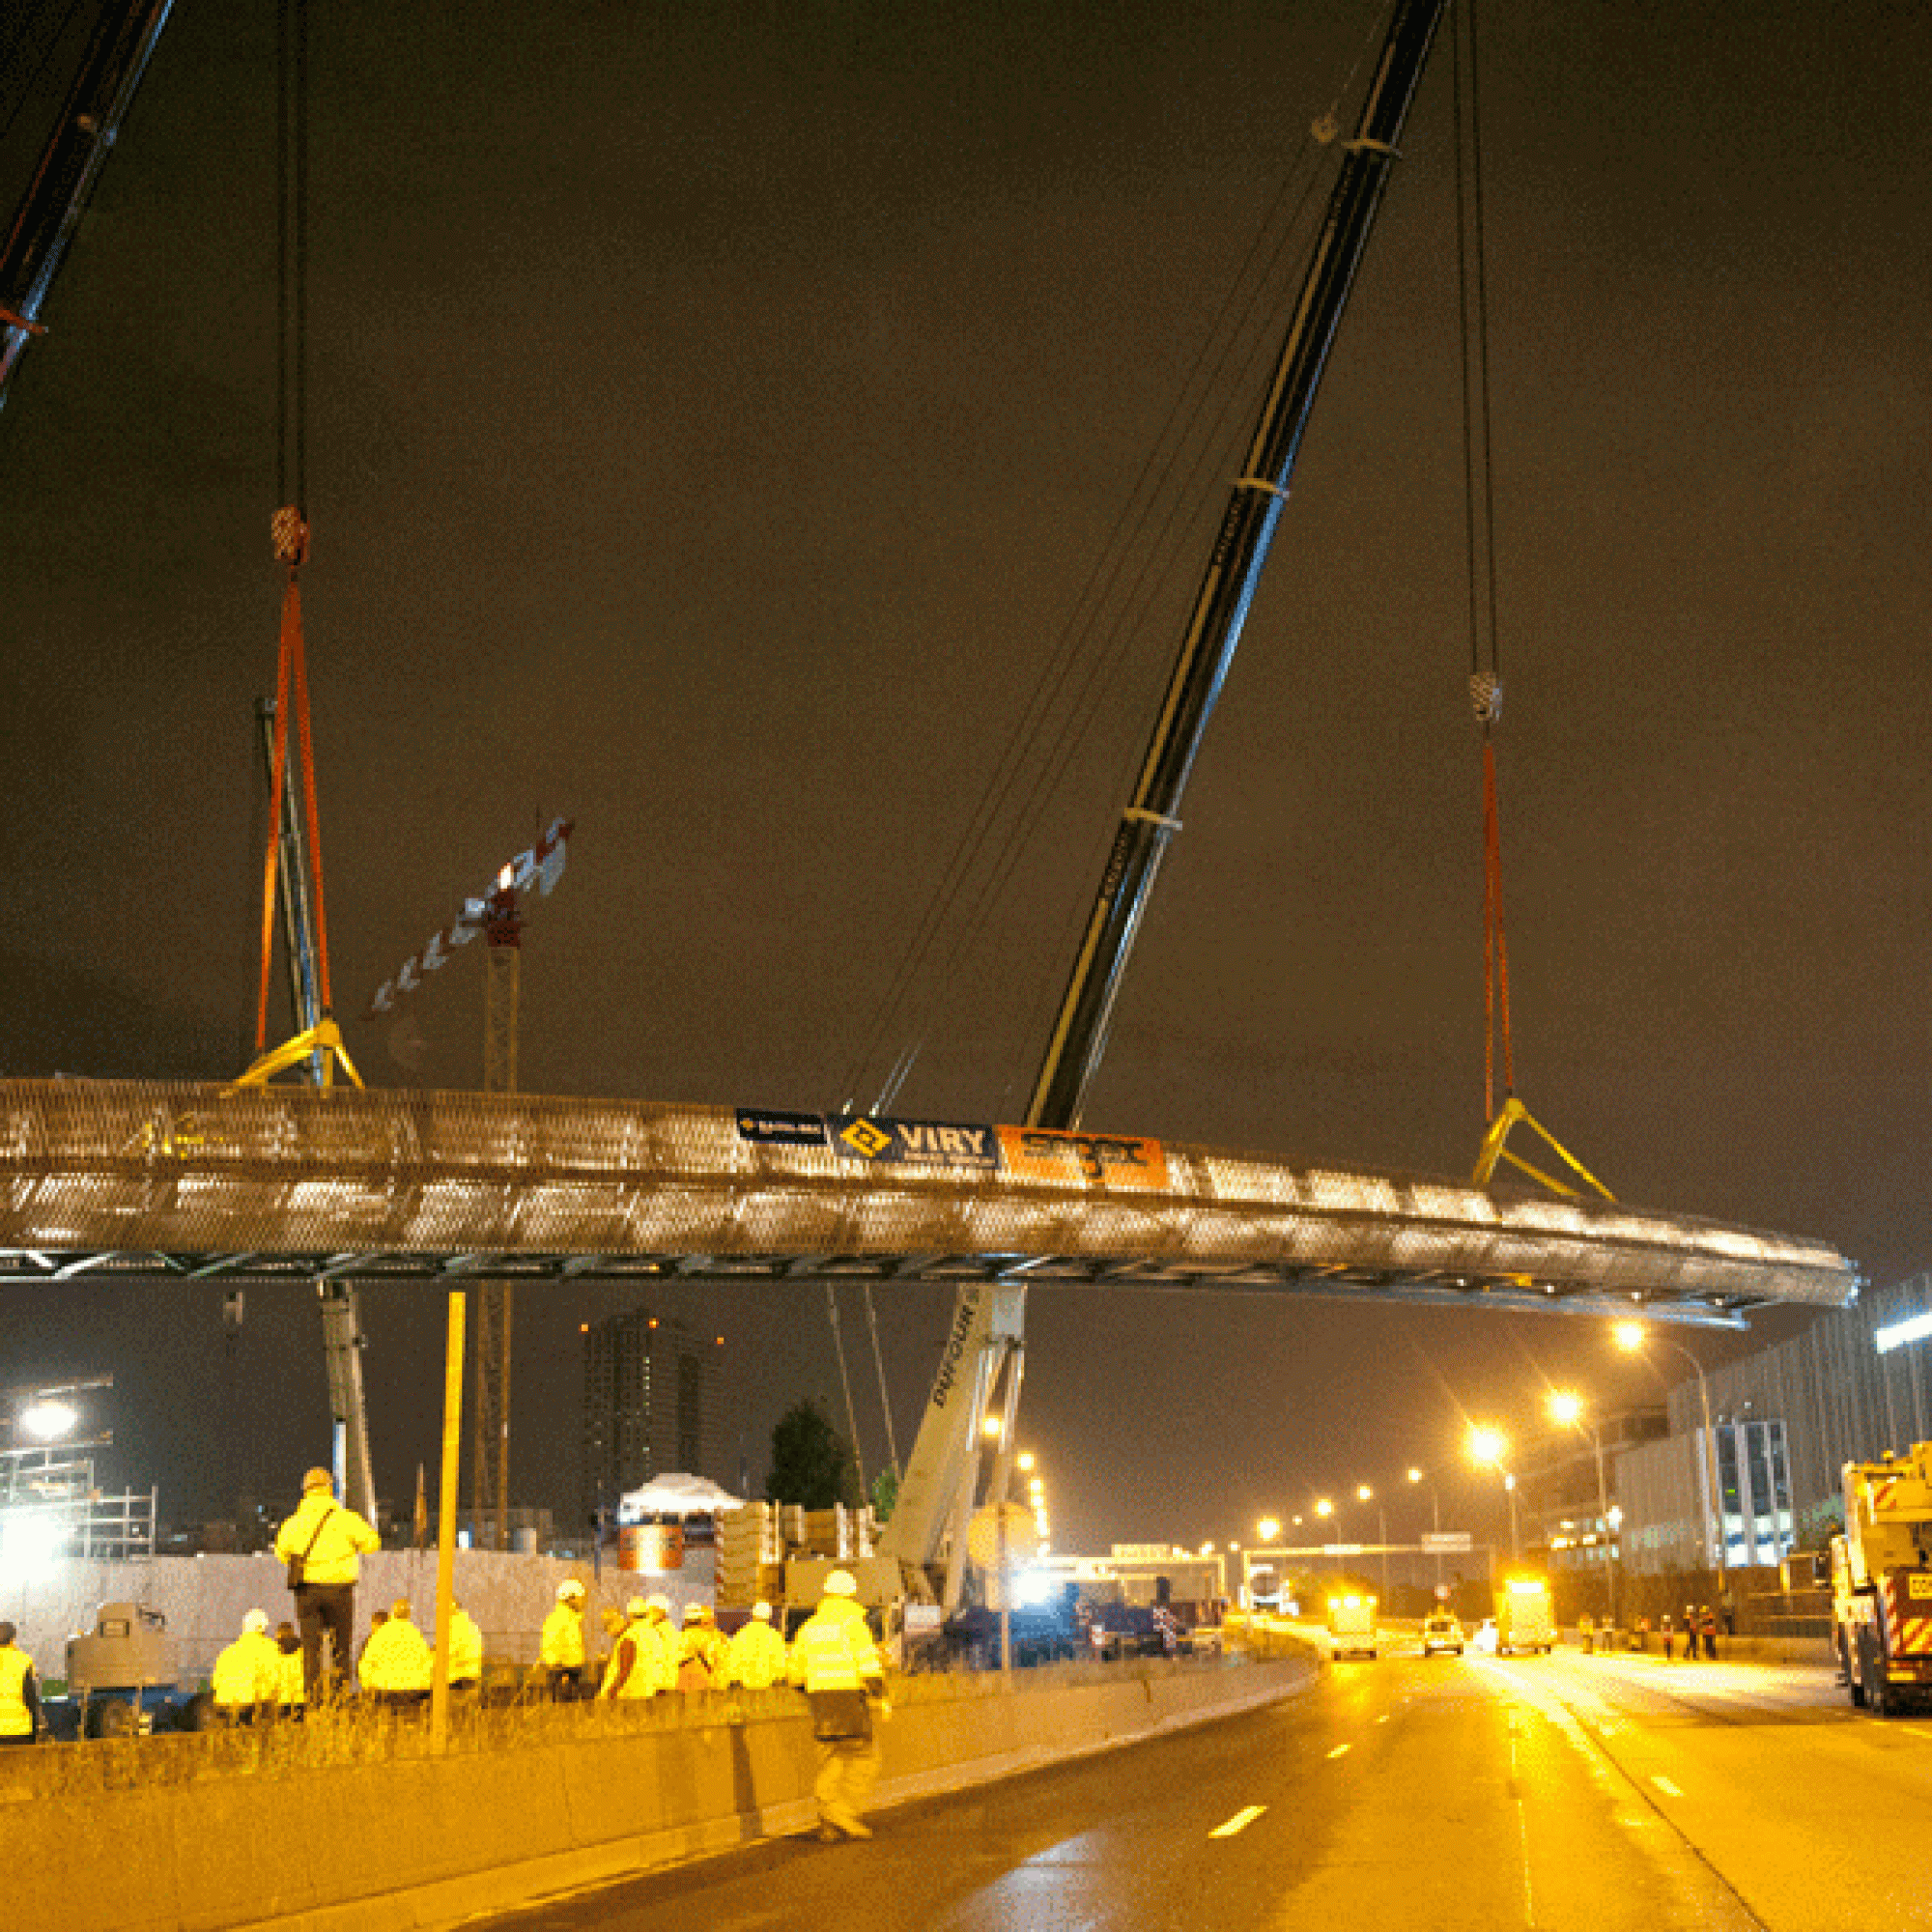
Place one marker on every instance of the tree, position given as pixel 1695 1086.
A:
pixel 884 1493
pixel 811 1465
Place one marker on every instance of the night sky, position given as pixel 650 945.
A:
pixel 719 416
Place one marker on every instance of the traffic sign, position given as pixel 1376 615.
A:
pixel 1445 1542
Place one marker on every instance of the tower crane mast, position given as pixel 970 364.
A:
pixel 499 916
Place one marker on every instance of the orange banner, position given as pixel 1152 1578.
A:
pixel 1104 1160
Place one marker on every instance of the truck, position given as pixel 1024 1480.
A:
pixel 1351 1624
pixel 1525 1617
pixel 1882 1581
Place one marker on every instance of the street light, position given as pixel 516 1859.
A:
pixel 1632 1338
pixel 1417 1477
pixel 1567 1408
pixel 1365 1494
pixel 1489 1447
pixel 45 1421
pixel 1268 1529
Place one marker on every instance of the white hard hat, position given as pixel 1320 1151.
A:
pixel 661 1601
pixel 635 1608
pixel 570 1590
pixel 763 1610
pixel 255 1620
pixel 840 1584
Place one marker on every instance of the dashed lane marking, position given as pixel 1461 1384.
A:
pixel 1240 1822
pixel 1338 1750
pixel 1664 1785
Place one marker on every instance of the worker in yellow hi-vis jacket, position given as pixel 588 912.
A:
pixel 834 1658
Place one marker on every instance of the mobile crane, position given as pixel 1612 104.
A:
pixel 926 1537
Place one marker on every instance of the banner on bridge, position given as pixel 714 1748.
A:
pixel 877 1138
pixel 1114 1161
pixel 1109 1160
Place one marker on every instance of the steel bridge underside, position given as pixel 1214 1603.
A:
pixel 149 1180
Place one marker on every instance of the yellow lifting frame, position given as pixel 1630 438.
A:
pixel 325 1036
pixel 1495 1150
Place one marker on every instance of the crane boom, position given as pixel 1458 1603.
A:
pixel 1234 570
pixel 71 164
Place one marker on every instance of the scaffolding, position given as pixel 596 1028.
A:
pixel 50 1508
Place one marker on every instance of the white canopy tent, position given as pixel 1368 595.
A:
pixel 676 1495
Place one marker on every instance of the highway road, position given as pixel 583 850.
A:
pixel 1606 1795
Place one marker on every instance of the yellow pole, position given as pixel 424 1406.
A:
pixel 445 1526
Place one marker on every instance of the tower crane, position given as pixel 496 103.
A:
pixel 499 916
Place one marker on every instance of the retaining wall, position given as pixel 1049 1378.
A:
pixel 422 1842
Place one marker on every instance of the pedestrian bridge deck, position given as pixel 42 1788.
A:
pixel 151 1178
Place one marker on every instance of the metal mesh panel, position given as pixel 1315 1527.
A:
pixel 136 1177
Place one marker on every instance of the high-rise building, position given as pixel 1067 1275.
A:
pixel 653 1405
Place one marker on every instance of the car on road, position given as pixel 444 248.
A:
pixel 1440 1631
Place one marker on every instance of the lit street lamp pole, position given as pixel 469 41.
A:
pixel 1268 1529
pixel 1435 1515
pixel 1569 1408
pixel 1489 1447
pixel 1364 1494
pixel 1632 1337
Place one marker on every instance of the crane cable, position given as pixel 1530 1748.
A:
pixel 1485 688
pixel 845 1382
pixel 1148 537
pixel 290 525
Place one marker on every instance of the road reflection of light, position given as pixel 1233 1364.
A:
pixel 1052 1890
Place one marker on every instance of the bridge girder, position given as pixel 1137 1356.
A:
pixel 140 1178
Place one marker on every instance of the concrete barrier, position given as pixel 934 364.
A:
pixel 418 1841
